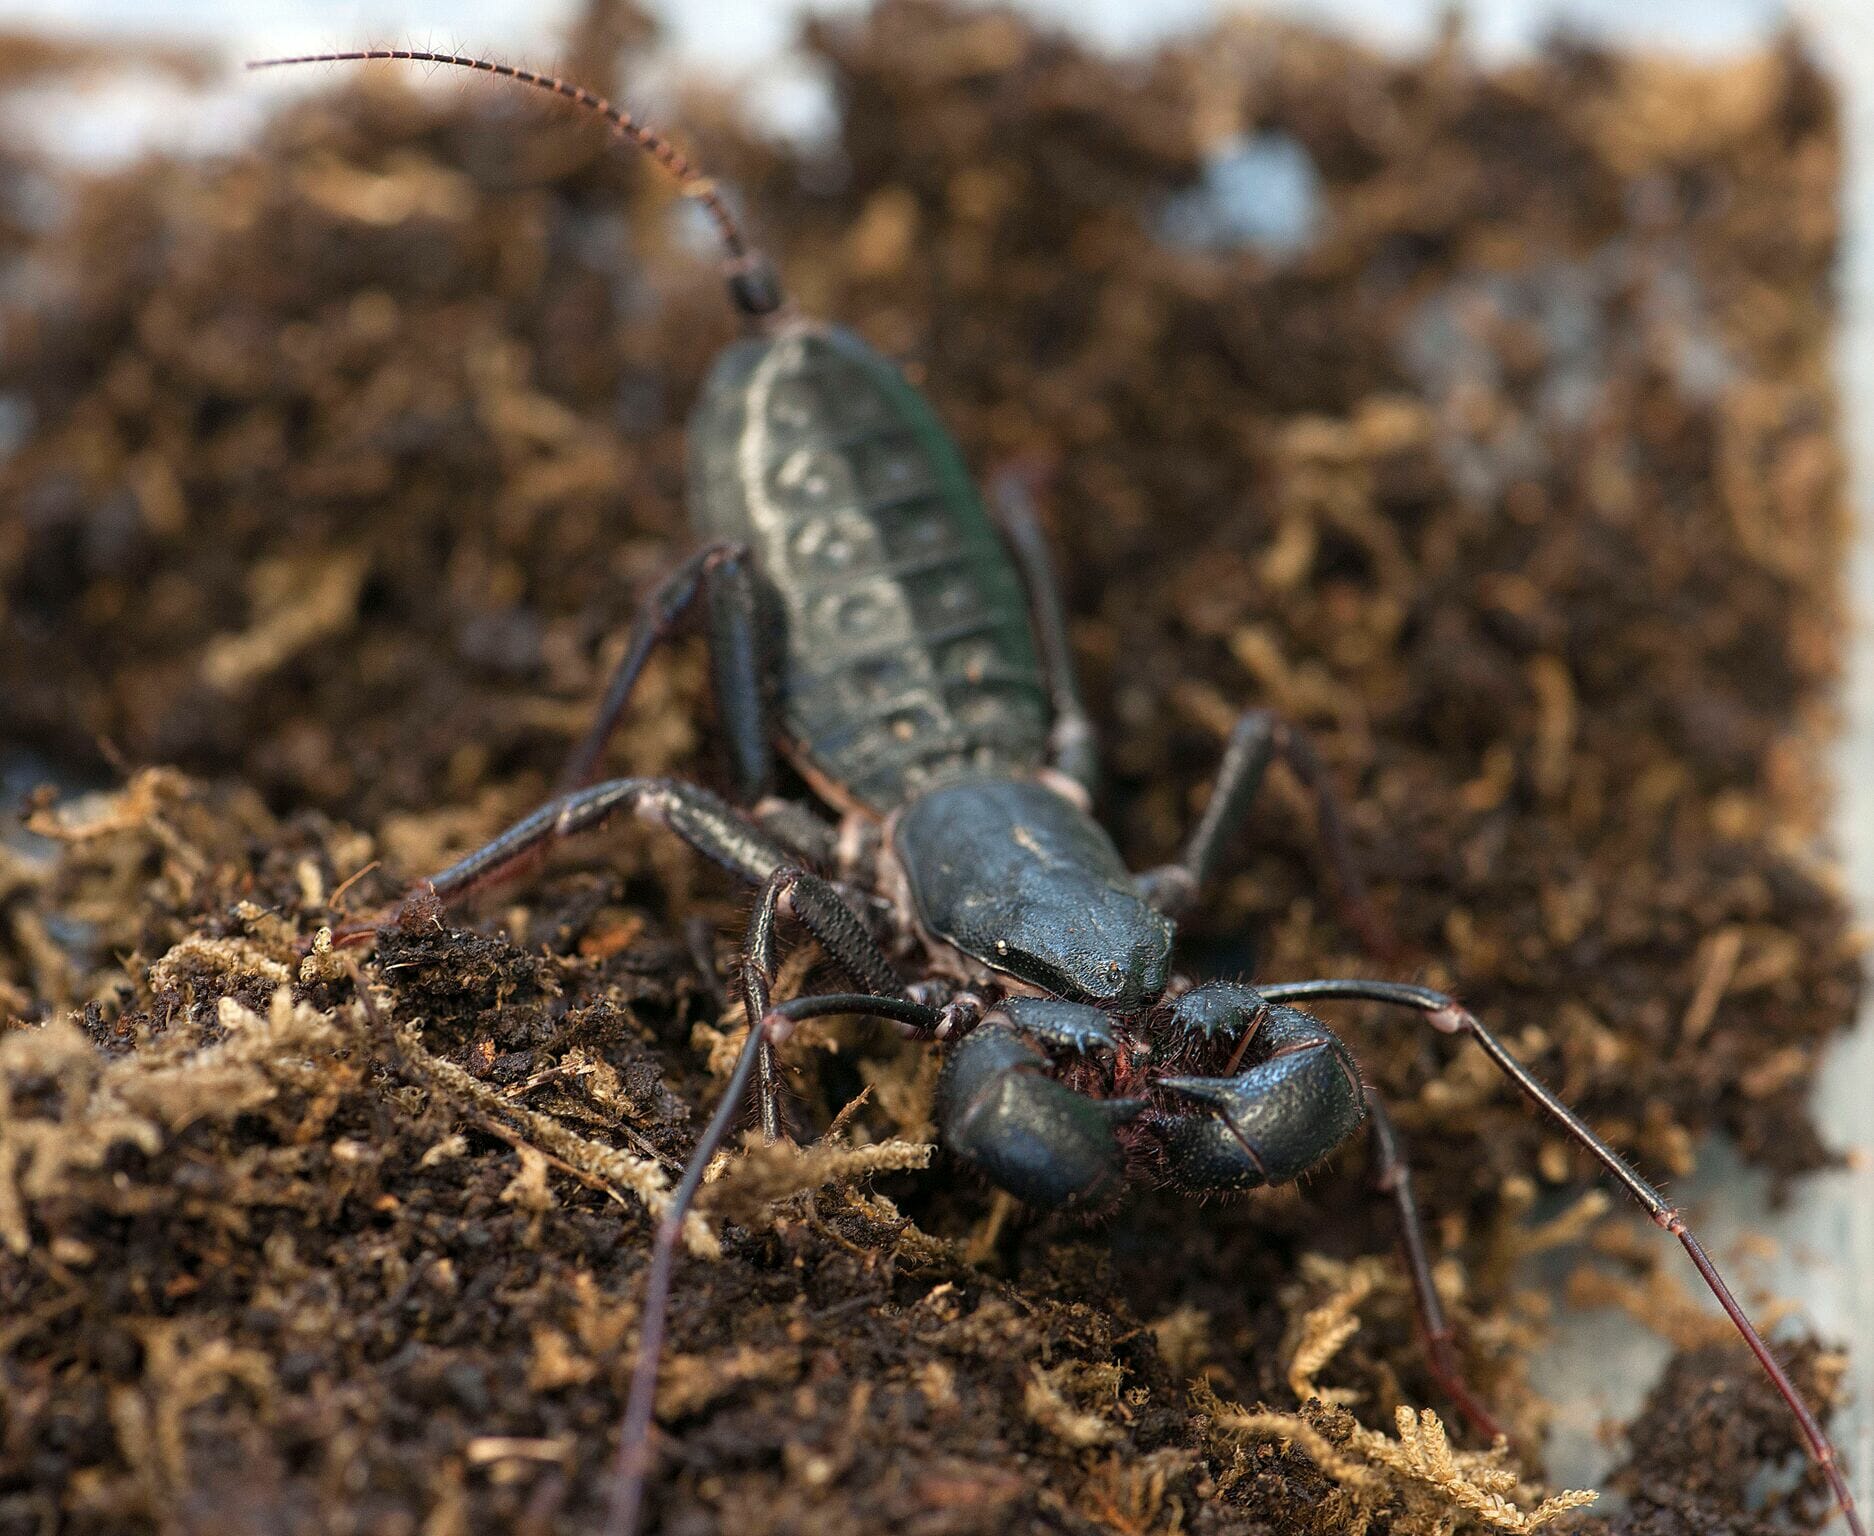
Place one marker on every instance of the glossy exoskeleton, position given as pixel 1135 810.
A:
pixel 910 659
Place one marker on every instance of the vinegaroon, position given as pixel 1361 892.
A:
pixel 865 619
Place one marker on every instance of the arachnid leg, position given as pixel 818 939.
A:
pixel 1292 1096
pixel 1450 1017
pixel 1073 747
pixel 1392 1176
pixel 845 939
pixel 819 908
pixel 1257 740
pixel 800 828
pixel 721 575
pixel 714 829
pixel 720 834
pixel 634 1437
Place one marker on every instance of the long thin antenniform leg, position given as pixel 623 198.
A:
pixel 754 287
pixel 1392 1175
pixel 634 1439
pixel 1258 739
pixel 1072 745
pixel 1450 1017
pixel 722 576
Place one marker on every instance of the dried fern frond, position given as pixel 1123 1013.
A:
pixel 1425 1486
pixel 767 1172
pixel 1324 1329
pixel 1429 1488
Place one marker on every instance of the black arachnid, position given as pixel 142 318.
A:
pixel 869 621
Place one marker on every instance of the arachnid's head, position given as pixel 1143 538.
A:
pixel 1014 876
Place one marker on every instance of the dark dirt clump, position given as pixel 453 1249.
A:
pixel 330 474
pixel 1715 1419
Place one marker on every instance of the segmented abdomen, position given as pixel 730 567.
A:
pixel 906 652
